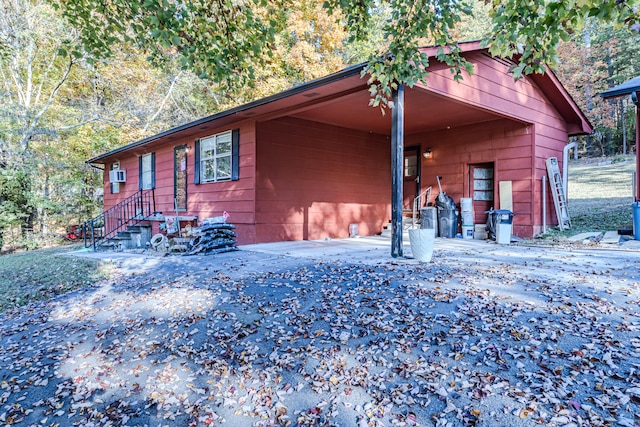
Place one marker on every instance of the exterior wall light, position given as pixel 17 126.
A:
pixel 427 153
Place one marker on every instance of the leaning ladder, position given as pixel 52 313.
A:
pixel 558 193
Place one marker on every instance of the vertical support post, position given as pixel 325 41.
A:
pixel 636 101
pixel 397 170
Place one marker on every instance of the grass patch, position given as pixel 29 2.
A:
pixel 32 276
pixel 600 196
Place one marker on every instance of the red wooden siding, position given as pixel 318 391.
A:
pixel 313 180
pixel 307 173
pixel 505 143
pixel 203 200
pixel 492 88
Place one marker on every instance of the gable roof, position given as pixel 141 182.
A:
pixel 347 82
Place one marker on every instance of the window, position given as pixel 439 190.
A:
pixel 180 177
pixel 483 184
pixel 147 171
pixel 115 186
pixel 217 157
pixel 410 165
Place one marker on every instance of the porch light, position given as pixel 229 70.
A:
pixel 427 153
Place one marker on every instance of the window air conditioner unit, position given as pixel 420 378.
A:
pixel 118 175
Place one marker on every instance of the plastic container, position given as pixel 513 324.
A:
pixel 466 204
pixel 467 231
pixel 429 218
pixel 500 223
pixel 421 241
pixel 467 218
pixel 636 220
pixel 447 223
pixel 495 217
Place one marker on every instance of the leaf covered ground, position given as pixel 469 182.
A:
pixel 482 336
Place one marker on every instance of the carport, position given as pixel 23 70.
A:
pixel 630 87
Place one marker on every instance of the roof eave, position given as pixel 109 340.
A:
pixel 626 88
pixel 342 74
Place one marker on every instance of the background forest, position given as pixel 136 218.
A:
pixel 59 107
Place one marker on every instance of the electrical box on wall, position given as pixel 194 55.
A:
pixel 118 175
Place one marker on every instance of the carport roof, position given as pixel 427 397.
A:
pixel 311 101
pixel 625 88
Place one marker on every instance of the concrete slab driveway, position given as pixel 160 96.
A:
pixel 335 333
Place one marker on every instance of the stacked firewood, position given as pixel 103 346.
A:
pixel 214 238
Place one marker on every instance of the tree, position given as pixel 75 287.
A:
pixel 57 110
pixel 227 40
pixel 34 66
pixel 596 59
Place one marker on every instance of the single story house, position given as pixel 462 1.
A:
pixel 310 161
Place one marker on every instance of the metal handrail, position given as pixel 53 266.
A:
pixel 130 211
pixel 416 204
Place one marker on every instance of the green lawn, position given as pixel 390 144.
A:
pixel 41 274
pixel 600 195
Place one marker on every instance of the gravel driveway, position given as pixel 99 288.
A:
pixel 485 335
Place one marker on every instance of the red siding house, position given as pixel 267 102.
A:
pixel 308 162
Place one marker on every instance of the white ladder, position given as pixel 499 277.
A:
pixel 558 193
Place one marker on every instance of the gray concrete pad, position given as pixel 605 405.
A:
pixel 583 236
pixel 611 237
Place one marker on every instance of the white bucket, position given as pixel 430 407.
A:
pixel 466 204
pixel 467 231
pixel 422 240
pixel 467 218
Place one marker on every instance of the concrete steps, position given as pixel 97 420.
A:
pixel 134 237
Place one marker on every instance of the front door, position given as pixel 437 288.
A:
pixel 411 184
pixel 481 185
pixel 180 177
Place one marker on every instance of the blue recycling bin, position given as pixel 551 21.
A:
pixel 636 220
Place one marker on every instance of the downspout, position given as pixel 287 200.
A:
pixel 544 204
pixel 565 166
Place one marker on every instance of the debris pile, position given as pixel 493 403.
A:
pixel 214 238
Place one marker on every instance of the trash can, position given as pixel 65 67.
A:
pixel 447 223
pixel 429 218
pixel 636 220
pixel 447 216
pixel 500 223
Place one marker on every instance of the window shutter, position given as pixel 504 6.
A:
pixel 196 162
pixel 140 173
pixel 235 155
pixel 153 170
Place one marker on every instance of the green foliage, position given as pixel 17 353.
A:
pixel 14 196
pixel 222 40
pixel 226 40
pixel 592 61
pixel 530 31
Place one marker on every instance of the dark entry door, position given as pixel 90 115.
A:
pixel 481 185
pixel 180 177
pixel 411 185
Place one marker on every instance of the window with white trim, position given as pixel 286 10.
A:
pixel 115 186
pixel 147 171
pixel 215 157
